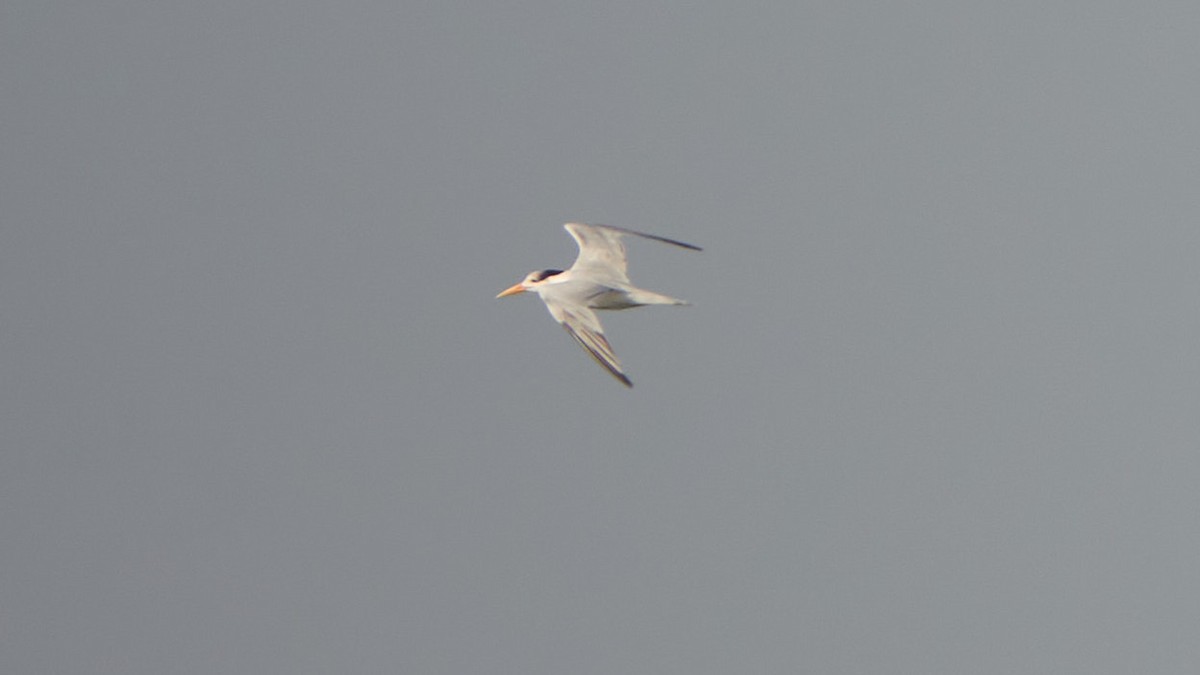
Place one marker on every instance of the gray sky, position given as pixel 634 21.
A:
pixel 935 409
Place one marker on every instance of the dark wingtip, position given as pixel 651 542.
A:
pixel 655 237
pixel 681 244
pixel 676 242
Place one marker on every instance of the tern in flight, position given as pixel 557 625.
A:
pixel 597 280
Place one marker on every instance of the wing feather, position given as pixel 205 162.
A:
pixel 601 251
pixel 582 324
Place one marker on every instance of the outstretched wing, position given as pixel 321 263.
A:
pixel 602 253
pixel 584 326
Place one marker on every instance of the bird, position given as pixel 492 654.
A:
pixel 597 280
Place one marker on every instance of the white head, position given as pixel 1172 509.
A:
pixel 530 282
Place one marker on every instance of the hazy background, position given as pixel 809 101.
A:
pixel 936 408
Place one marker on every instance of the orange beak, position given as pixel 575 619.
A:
pixel 511 290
